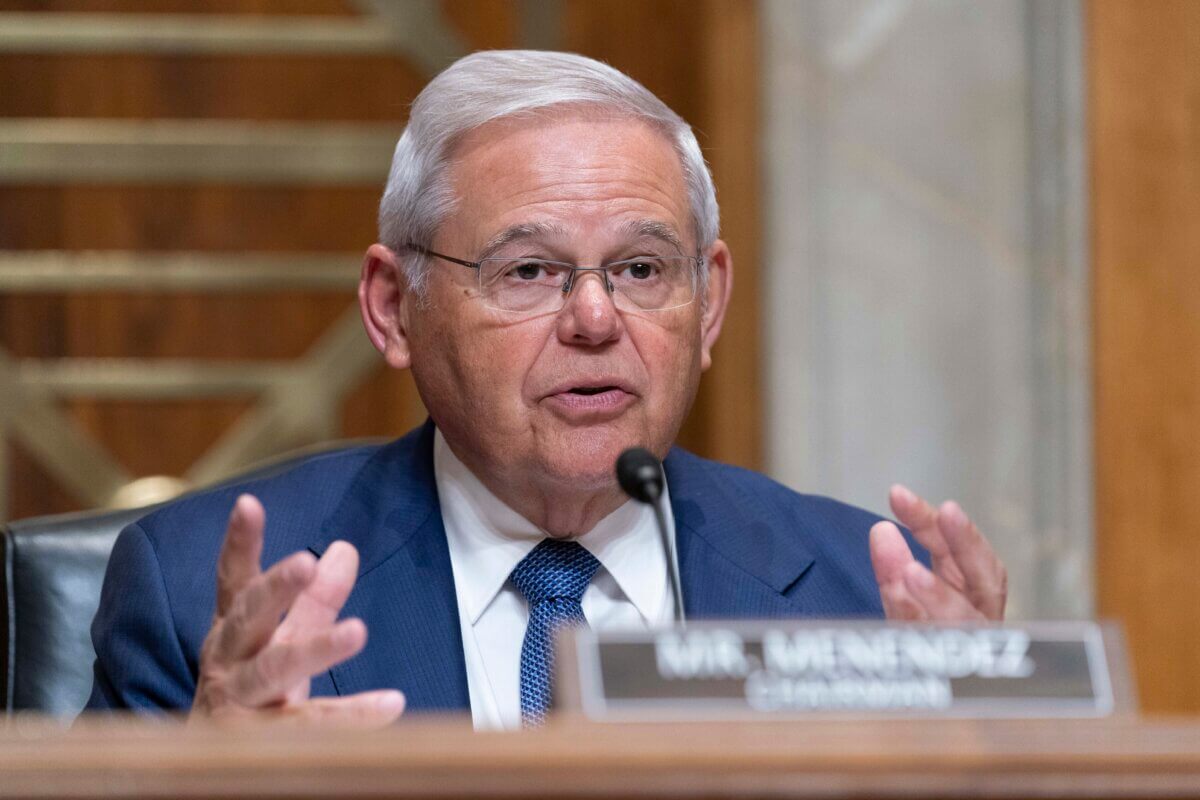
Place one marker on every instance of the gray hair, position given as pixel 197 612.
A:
pixel 495 84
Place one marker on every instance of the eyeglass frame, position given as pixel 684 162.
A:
pixel 569 284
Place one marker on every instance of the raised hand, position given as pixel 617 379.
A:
pixel 967 582
pixel 274 630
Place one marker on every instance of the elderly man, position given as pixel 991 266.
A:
pixel 550 270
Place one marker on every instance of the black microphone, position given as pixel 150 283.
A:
pixel 641 476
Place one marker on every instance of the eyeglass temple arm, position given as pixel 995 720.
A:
pixel 425 251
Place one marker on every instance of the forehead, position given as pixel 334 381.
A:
pixel 582 174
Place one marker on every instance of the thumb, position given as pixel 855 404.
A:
pixel 890 554
pixel 891 557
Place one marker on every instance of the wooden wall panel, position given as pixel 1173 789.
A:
pixel 730 411
pixel 268 87
pixel 486 24
pixel 1144 76
pixel 279 7
pixel 166 437
pixel 209 218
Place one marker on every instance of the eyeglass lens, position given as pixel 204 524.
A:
pixel 531 285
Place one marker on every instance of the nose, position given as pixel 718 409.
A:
pixel 589 316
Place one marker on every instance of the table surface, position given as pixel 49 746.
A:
pixel 441 757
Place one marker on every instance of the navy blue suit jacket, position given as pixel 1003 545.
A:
pixel 748 547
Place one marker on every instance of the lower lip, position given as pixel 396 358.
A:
pixel 602 404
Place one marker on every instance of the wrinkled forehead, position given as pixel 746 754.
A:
pixel 567 175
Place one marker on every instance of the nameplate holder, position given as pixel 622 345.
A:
pixel 787 670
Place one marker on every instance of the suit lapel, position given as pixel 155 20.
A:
pixel 405 589
pixel 733 561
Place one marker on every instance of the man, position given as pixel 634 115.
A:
pixel 550 270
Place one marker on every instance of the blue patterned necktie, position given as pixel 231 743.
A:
pixel 553 578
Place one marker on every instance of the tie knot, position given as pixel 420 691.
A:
pixel 554 570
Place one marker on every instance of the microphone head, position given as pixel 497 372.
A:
pixel 640 475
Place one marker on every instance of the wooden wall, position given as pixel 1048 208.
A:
pixel 668 44
pixel 1144 76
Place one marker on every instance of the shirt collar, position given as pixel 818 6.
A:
pixel 487 539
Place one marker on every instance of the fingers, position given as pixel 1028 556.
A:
pixel 274 630
pixel 367 710
pixel 939 601
pixel 909 591
pixel 985 580
pixel 363 711
pixel 890 557
pixel 963 562
pixel 889 552
pixel 278 668
pixel 922 519
pixel 241 551
pixel 321 602
pixel 256 611
pixel 915 513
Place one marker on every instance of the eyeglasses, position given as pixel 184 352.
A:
pixel 537 286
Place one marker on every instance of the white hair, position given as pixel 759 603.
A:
pixel 491 85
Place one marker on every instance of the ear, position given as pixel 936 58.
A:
pixel 384 300
pixel 720 286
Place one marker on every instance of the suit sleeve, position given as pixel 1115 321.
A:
pixel 140 664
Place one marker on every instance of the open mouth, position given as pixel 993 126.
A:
pixel 591 403
pixel 590 390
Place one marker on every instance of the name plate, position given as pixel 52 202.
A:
pixel 712 670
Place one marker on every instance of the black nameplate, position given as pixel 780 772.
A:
pixel 723 670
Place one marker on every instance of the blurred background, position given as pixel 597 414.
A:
pixel 965 236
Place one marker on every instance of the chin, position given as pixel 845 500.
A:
pixel 586 459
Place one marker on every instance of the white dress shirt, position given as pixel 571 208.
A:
pixel 488 539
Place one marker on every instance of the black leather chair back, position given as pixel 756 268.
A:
pixel 53 570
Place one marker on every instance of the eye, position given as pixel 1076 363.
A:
pixel 642 270
pixel 527 270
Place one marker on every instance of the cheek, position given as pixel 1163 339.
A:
pixel 480 373
pixel 497 371
pixel 671 355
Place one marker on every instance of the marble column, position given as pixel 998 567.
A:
pixel 926 269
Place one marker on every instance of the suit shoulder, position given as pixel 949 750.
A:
pixel 770 495
pixel 303 490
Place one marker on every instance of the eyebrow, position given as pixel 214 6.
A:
pixel 656 230
pixel 635 229
pixel 519 233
